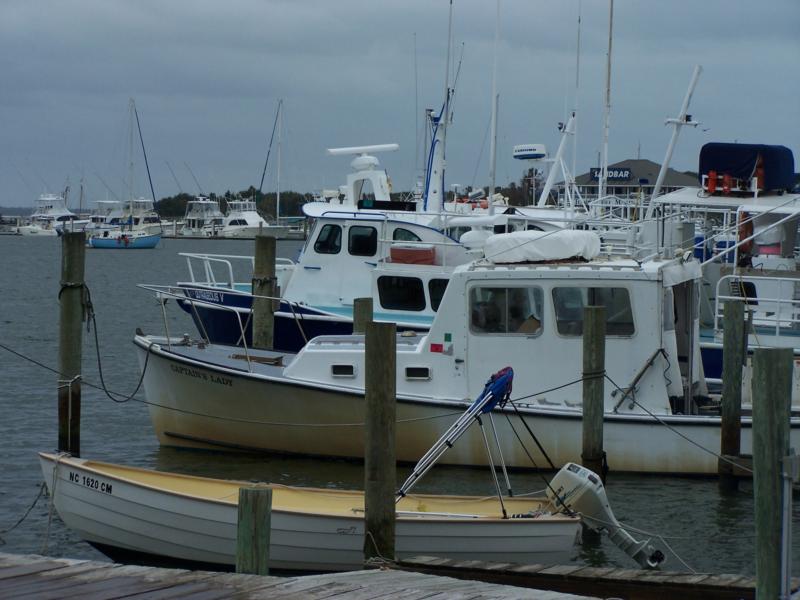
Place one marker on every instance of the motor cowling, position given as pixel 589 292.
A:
pixel 577 489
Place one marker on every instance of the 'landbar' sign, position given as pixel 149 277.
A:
pixel 613 174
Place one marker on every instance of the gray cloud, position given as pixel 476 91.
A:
pixel 207 76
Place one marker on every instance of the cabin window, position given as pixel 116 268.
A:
pixel 570 301
pixel 401 293
pixel 506 310
pixel 404 235
pixel 436 288
pixel 362 241
pixel 329 240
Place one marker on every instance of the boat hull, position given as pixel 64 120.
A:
pixel 128 518
pixel 199 404
pixel 294 324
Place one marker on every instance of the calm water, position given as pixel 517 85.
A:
pixel 711 532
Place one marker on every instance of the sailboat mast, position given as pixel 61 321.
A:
pixel 493 146
pixel 446 109
pixel 278 176
pixel 577 89
pixel 601 192
pixel 130 161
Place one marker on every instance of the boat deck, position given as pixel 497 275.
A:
pixel 42 578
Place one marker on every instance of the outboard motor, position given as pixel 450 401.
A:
pixel 577 489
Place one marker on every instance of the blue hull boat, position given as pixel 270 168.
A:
pixel 125 241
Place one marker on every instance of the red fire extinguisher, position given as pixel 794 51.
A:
pixel 711 182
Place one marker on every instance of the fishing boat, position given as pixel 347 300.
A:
pixel 51 212
pixel 203 218
pixel 137 514
pixel 495 311
pixel 243 221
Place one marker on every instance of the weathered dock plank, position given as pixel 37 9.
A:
pixel 41 578
pixel 575 579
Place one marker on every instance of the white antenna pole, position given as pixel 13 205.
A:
pixel 446 109
pixel 601 192
pixel 577 88
pixel 416 110
pixel 677 123
pixel 493 149
pixel 278 178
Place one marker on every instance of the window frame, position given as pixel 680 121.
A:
pixel 317 242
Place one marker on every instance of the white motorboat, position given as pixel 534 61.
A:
pixel 51 212
pixel 243 221
pixel 493 313
pixel 203 218
pixel 142 515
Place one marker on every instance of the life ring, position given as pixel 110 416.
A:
pixel 745 231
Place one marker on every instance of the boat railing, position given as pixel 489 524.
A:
pixel 773 300
pixel 179 294
pixel 206 263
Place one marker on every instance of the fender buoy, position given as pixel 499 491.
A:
pixel 745 231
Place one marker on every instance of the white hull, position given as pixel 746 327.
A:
pixel 196 404
pixel 36 230
pixel 129 516
pixel 248 232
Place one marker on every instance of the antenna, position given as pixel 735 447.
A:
pixel 269 148
pixel 197 183
pixel 178 183
pixel 363 149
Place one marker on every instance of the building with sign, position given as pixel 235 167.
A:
pixel 631 178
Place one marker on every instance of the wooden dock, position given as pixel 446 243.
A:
pixel 30 577
pixel 631 584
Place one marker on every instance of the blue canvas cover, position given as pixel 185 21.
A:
pixel 739 160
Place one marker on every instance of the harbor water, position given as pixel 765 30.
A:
pixel 708 531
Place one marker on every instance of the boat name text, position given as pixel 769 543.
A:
pixel 90 482
pixel 204 376
pixel 209 296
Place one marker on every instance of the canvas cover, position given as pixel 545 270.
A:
pixel 541 246
pixel 739 160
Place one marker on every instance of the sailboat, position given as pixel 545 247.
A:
pixel 130 235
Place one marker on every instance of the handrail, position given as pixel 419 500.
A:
pixel 179 294
pixel 778 316
pixel 638 377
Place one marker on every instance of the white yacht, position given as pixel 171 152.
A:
pixel 203 218
pixel 51 212
pixel 243 221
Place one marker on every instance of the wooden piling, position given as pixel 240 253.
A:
pixel 594 359
pixel 734 356
pixel 772 394
pixel 362 314
pixel 380 476
pixel 70 341
pixel 264 284
pixel 253 530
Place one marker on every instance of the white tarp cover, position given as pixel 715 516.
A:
pixel 540 246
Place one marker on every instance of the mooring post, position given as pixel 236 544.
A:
pixel 70 341
pixel 734 357
pixel 594 365
pixel 362 314
pixel 772 396
pixel 380 471
pixel 264 284
pixel 253 530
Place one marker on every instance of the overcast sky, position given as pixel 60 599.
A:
pixel 207 75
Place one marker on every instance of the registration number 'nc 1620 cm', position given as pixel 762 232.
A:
pixel 89 482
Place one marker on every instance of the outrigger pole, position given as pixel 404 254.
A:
pixel 496 392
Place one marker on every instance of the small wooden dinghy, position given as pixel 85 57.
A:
pixel 130 513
